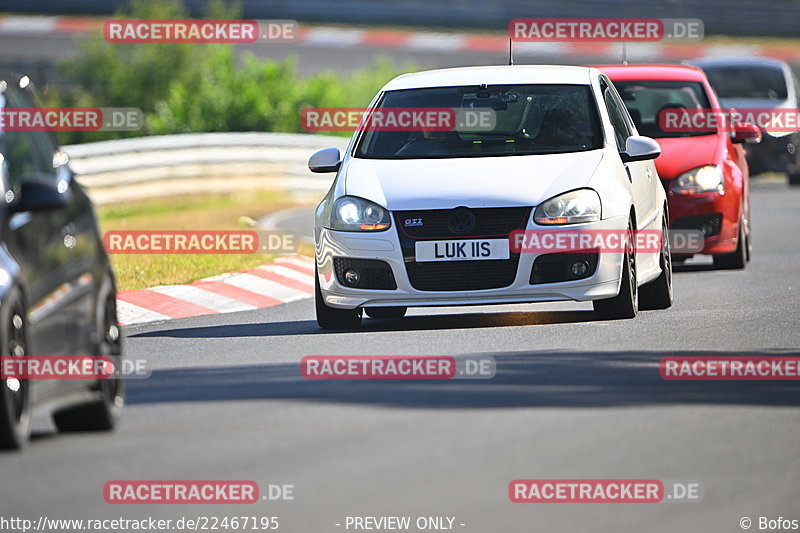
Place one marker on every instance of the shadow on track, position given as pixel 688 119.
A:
pixel 523 379
pixel 409 323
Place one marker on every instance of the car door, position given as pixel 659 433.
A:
pixel 640 173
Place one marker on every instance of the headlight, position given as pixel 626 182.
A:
pixel 575 207
pixel 351 213
pixel 704 179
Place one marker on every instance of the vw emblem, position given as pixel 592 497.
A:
pixel 461 221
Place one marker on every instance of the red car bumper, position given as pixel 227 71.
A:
pixel 716 214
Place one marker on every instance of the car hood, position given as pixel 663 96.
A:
pixel 679 154
pixel 512 181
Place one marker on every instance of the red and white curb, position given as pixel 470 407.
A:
pixel 444 42
pixel 288 279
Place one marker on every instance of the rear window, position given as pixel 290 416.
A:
pixel 748 82
pixel 646 99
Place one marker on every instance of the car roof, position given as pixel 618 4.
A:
pixel 737 62
pixel 496 75
pixel 653 72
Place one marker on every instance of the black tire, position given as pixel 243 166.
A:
pixel 626 303
pixel 101 414
pixel 659 294
pixel 15 394
pixel 386 313
pixel 794 178
pixel 748 249
pixel 736 260
pixel 330 318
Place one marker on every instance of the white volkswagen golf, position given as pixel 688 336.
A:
pixel 426 217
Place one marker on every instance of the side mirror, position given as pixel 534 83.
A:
pixel 746 133
pixel 41 196
pixel 640 148
pixel 327 160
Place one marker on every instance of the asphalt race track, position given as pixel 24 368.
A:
pixel 572 398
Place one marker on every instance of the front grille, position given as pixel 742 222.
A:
pixel 554 268
pixel 489 222
pixel 462 275
pixel 459 275
pixel 373 274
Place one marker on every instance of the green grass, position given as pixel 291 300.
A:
pixel 196 212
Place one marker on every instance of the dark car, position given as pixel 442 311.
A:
pixel 57 290
pixel 760 83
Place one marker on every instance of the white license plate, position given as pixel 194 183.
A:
pixel 468 250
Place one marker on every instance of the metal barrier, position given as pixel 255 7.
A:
pixel 146 167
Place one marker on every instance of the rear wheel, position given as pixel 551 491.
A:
pixel 103 413
pixel 331 318
pixel 658 294
pixel 738 259
pixel 15 394
pixel 386 313
pixel 626 303
pixel 794 178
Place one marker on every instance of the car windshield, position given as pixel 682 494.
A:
pixel 748 82
pixel 526 119
pixel 645 101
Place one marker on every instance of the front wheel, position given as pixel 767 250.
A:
pixel 103 413
pixel 331 318
pixel 15 394
pixel 658 294
pixel 626 303
pixel 738 259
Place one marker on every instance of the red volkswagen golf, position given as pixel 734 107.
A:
pixel 704 172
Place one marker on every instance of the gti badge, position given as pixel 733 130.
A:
pixel 412 222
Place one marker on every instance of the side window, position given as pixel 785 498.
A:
pixel 27 153
pixel 622 130
pixel 19 155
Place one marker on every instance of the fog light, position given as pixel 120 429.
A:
pixel 707 228
pixel 579 268
pixel 351 277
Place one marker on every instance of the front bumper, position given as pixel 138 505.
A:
pixel 719 211
pixel 385 246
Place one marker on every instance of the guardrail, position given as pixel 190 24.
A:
pixel 146 167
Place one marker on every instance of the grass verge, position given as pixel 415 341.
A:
pixel 195 212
